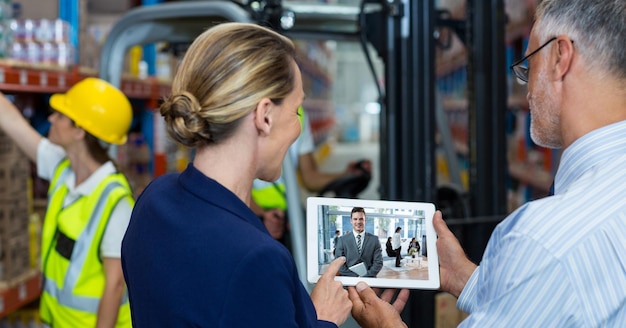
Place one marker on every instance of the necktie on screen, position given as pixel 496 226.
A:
pixel 358 243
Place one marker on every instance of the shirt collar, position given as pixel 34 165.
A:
pixel 595 147
pixel 87 186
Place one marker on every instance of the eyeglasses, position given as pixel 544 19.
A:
pixel 521 71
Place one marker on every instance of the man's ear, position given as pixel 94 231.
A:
pixel 564 57
pixel 263 116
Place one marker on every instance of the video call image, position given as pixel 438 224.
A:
pixel 365 236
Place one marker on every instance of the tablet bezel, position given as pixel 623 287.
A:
pixel 313 251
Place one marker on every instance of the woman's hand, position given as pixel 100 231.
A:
pixel 329 297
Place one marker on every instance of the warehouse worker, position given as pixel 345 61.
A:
pixel 89 203
pixel 269 201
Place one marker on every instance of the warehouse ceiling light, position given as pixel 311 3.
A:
pixel 255 5
pixel 287 20
pixel 270 13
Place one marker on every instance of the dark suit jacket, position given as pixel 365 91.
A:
pixel 177 276
pixel 371 254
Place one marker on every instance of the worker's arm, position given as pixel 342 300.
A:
pixel 13 123
pixel 314 180
pixel 113 291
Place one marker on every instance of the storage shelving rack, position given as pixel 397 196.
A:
pixel 33 81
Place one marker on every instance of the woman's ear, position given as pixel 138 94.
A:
pixel 79 133
pixel 263 116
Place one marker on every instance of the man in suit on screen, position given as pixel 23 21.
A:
pixel 359 246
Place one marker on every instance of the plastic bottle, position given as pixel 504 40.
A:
pixel 33 52
pixel 163 67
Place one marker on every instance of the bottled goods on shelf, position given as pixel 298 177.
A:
pixel 316 62
pixel 39 42
pixel 530 167
pixel 5 33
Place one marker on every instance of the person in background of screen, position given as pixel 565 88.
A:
pixel 396 243
pixel 389 248
pixel 414 247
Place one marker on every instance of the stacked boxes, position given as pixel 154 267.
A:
pixel 446 313
pixel 14 210
pixel 134 160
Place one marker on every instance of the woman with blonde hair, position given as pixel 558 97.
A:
pixel 194 253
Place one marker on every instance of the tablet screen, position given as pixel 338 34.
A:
pixel 361 230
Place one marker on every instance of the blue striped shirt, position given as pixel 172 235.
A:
pixel 561 261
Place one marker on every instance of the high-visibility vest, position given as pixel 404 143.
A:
pixel 72 269
pixel 272 194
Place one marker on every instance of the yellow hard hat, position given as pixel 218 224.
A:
pixel 98 107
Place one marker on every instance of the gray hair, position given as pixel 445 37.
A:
pixel 598 28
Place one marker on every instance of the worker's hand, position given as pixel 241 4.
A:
pixel 369 310
pixel 329 297
pixel 359 167
pixel 455 268
pixel 274 220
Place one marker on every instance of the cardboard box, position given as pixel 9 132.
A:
pixel 37 9
pixel 14 180
pixel 14 256
pixel 8 148
pixel 111 6
pixel 14 218
pixel 14 171
pixel 446 313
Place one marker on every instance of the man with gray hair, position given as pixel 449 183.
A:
pixel 561 260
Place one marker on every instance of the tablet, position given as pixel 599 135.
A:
pixel 330 234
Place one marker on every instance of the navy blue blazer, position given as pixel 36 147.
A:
pixel 195 255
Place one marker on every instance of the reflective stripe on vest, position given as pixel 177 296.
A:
pixel 81 248
pixel 269 195
pixel 272 194
pixel 58 178
pixel 50 222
